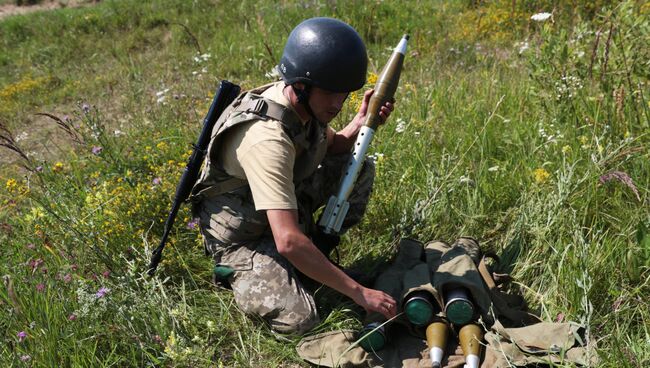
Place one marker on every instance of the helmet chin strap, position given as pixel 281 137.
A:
pixel 303 98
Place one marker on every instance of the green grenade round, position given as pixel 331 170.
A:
pixel 419 308
pixel 375 339
pixel 458 306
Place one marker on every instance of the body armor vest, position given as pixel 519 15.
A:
pixel 227 200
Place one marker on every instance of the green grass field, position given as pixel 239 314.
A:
pixel 531 136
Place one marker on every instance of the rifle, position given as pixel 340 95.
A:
pixel 226 93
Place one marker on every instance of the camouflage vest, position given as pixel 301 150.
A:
pixel 228 199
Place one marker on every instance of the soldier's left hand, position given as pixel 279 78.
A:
pixel 384 112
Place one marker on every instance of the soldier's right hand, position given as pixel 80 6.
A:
pixel 377 301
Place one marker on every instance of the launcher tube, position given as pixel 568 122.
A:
pixel 337 206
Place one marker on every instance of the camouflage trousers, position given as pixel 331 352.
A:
pixel 265 284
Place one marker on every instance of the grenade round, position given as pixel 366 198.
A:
pixel 419 308
pixel 373 337
pixel 470 337
pixel 458 306
pixel 437 341
pixel 337 206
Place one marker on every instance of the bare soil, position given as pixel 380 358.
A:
pixel 7 10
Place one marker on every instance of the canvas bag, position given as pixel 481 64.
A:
pixel 505 347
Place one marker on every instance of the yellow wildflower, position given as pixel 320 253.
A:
pixel 372 78
pixel 162 146
pixel 566 149
pixel 170 346
pixel 583 140
pixel 541 175
pixel 27 84
pixel 37 212
pixel 11 185
pixel 353 100
pixel 58 167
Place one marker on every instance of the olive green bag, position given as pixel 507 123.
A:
pixel 435 268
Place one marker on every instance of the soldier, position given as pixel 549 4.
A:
pixel 272 162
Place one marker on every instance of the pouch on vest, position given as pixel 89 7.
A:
pixel 229 220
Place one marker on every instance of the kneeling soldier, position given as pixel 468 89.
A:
pixel 272 162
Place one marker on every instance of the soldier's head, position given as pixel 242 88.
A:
pixel 324 60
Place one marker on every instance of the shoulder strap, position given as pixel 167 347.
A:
pixel 248 106
pixel 264 108
pixel 515 316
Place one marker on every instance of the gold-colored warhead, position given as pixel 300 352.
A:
pixel 437 341
pixel 386 84
pixel 470 337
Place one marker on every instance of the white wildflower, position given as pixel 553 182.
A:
pixel 466 180
pixel 274 73
pixel 376 157
pixel 195 73
pixel 118 133
pixel 401 126
pixel 211 326
pixel 540 17
pixel 204 70
pixel 567 87
pixel 160 99
pixel 162 92
pixel 523 46
pixel 21 137
pixel 493 168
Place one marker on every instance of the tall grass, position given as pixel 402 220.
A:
pixel 531 136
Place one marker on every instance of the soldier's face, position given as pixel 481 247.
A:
pixel 325 104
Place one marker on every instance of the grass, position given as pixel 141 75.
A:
pixel 505 141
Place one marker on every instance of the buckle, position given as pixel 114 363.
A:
pixel 256 106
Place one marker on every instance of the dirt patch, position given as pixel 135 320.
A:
pixel 7 10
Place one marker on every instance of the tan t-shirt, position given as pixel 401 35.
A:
pixel 263 154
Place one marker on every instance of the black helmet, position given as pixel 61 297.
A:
pixel 326 53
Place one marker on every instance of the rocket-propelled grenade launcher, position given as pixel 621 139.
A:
pixel 337 206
